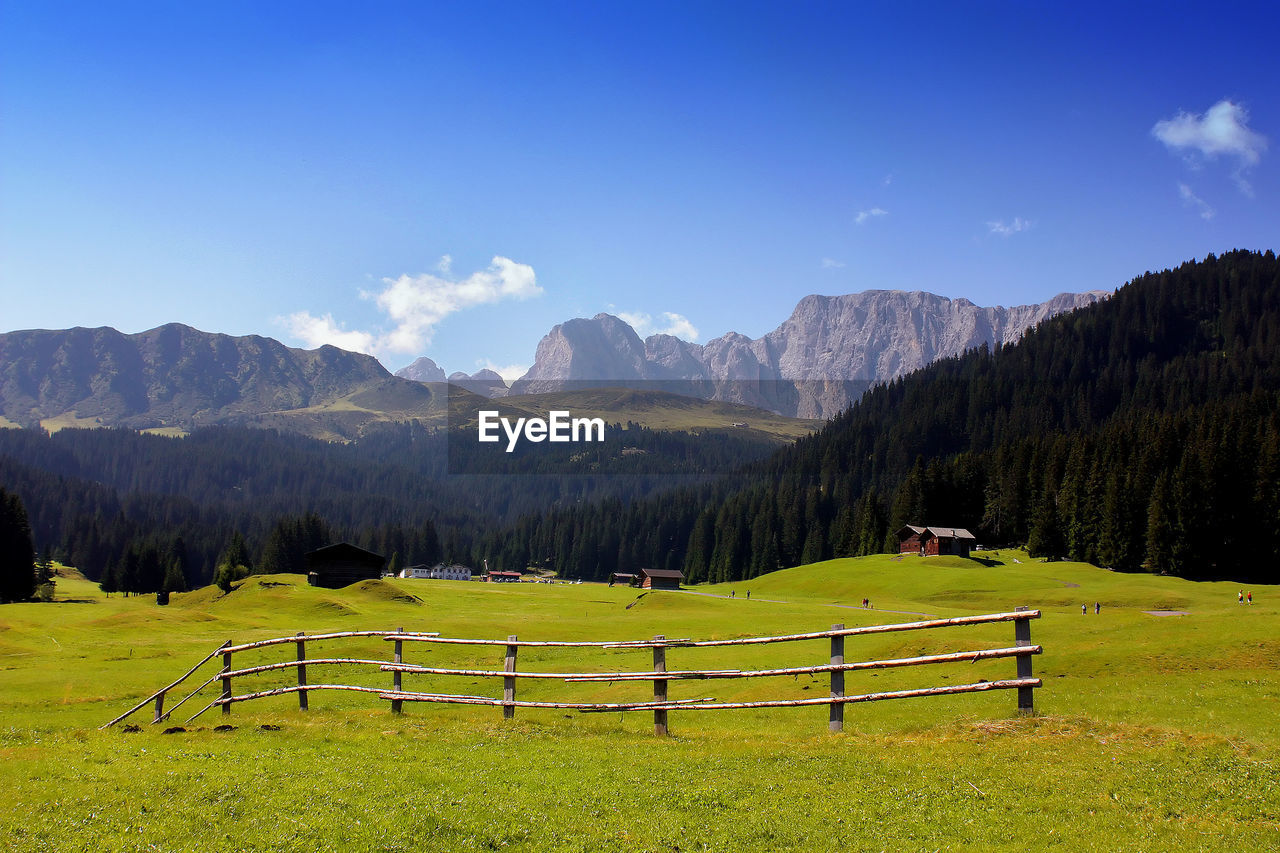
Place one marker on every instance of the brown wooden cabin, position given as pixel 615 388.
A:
pixel 947 540
pixel 624 578
pixel 660 578
pixel 336 566
pixel 504 577
pixel 909 539
pixel 934 541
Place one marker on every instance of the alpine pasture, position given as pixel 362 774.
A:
pixel 1152 732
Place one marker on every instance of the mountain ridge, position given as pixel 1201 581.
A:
pixel 814 364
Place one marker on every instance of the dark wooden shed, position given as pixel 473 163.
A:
pixel 946 540
pixel 625 578
pixel 909 539
pixel 336 566
pixel 660 578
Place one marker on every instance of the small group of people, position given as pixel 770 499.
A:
pixel 1245 597
pixel 1097 608
pixel 866 603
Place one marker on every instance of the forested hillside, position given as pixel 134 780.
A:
pixel 1140 433
pixel 107 497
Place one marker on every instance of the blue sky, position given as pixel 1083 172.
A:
pixel 452 179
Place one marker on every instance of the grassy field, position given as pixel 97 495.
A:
pixel 1152 732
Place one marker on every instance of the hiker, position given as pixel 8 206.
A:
pixel 748 595
pixel 1097 608
pixel 1084 610
pixel 1250 596
pixel 1240 597
pixel 731 593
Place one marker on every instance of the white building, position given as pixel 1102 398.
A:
pixel 438 572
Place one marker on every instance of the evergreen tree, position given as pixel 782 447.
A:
pixel 17 556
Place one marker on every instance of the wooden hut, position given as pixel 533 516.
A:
pixel 660 578
pixel 909 539
pixel 336 566
pixel 624 578
pixel 946 540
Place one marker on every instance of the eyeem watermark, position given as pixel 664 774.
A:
pixel 558 426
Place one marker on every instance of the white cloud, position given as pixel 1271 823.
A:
pixel 415 305
pixel 830 264
pixel 670 324
pixel 1018 224
pixel 1222 130
pixel 318 331
pixel 1193 200
pixel 864 215
pixel 509 372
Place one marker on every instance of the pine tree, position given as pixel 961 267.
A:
pixel 17 557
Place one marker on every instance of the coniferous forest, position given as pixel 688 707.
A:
pixel 1141 433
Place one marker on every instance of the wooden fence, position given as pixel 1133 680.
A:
pixel 659 674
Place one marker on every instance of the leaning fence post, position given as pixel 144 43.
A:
pixel 159 707
pixel 302 672
pixel 396 704
pixel 509 681
pixel 660 686
pixel 836 717
pixel 1022 637
pixel 226 683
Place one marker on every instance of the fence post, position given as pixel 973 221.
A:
pixel 836 717
pixel 302 671
pixel 509 681
pixel 660 687
pixel 226 683
pixel 396 704
pixel 159 707
pixel 1022 637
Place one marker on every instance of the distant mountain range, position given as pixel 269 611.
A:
pixel 175 377
pixel 814 365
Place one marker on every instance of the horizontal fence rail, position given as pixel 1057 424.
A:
pixel 658 674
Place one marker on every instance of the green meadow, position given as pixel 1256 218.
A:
pixel 1152 732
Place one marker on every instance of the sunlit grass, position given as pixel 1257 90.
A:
pixel 1154 733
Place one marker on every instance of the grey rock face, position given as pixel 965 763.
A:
pixel 422 370
pixel 821 359
pixel 485 382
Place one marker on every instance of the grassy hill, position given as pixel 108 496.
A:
pixel 1154 732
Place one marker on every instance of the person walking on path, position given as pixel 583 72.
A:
pixel 1240 597
pixel 748 595
pixel 1084 610
pixel 1097 608
pixel 1250 596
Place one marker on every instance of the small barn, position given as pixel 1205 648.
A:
pixel 660 578
pixel 909 539
pixel 624 578
pixel 504 577
pixel 946 540
pixel 932 541
pixel 336 566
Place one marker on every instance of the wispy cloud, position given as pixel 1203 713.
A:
pixel 1001 229
pixel 1222 130
pixel 1193 200
pixel 864 215
pixel 670 324
pixel 415 305
pixel 831 264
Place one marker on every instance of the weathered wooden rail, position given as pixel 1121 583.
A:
pixel 658 674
